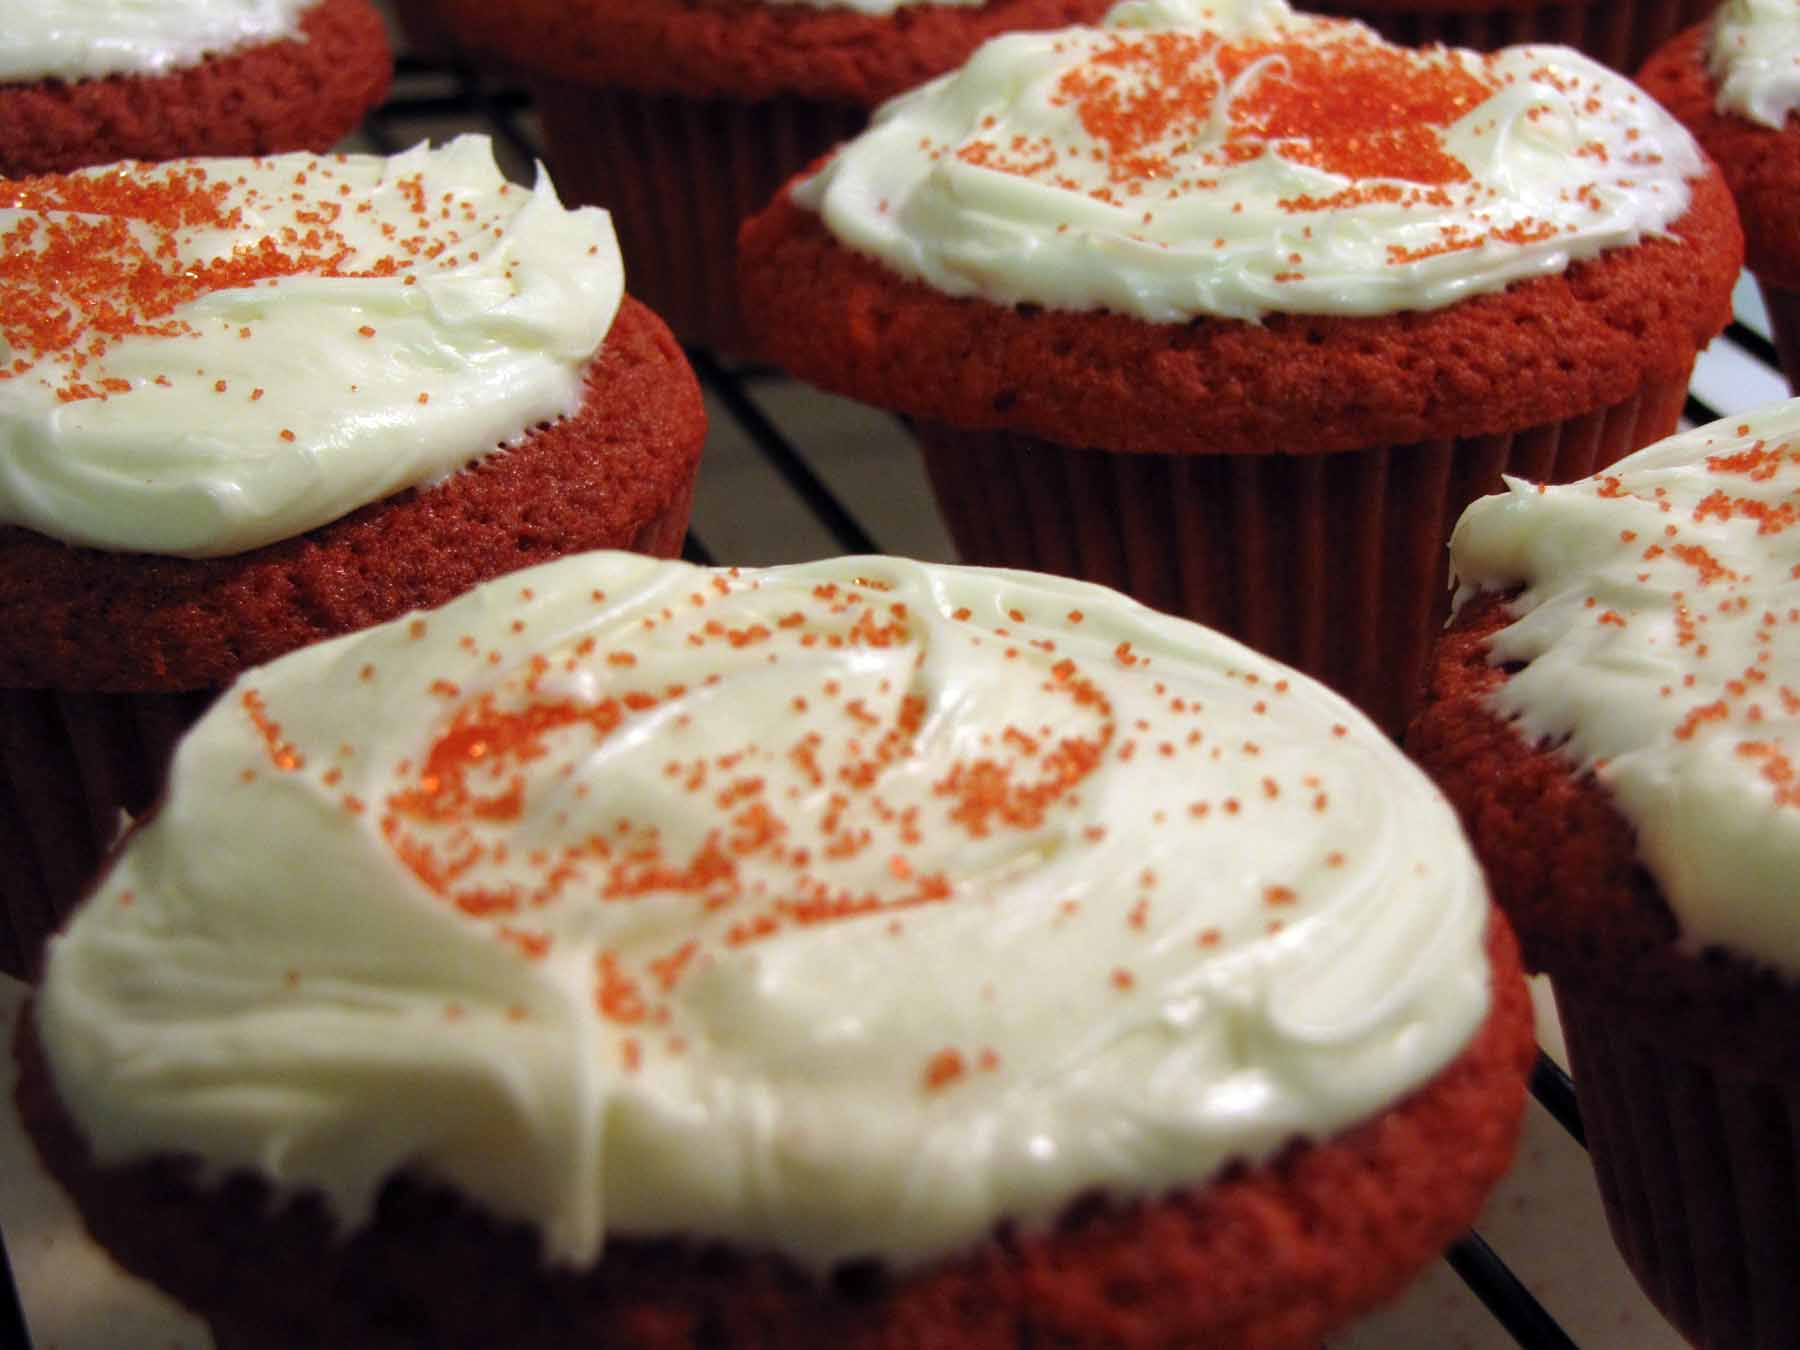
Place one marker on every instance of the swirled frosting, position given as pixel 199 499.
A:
pixel 1753 53
pixel 85 39
pixel 1234 158
pixel 841 909
pixel 201 357
pixel 1660 618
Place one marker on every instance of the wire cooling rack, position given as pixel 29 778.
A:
pixel 791 474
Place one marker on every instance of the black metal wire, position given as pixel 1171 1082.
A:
pixel 13 1334
pixel 1755 343
pixel 782 456
pixel 1699 413
pixel 1555 1092
pixel 1503 1294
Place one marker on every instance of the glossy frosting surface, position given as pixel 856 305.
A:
pixel 1661 621
pixel 83 39
pixel 1754 56
pixel 1235 158
pixel 842 909
pixel 206 356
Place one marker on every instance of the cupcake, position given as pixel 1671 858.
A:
pixel 1735 83
pixel 255 403
pixel 1613 714
pixel 1236 309
pixel 86 82
pixel 1618 33
pixel 682 117
pixel 858 953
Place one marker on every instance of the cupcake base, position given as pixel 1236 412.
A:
pixel 1700 1177
pixel 1783 305
pixel 679 175
pixel 1334 563
pixel 1617 33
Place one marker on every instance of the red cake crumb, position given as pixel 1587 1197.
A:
pixel 617 473
pixel 1270 1257
pixel 1563 865
pixel 1541 350
pixel 256 100
pixel 1762 164
pixel 748 50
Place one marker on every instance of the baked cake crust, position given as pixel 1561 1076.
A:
pixel 1761 164
pixel 260 99
pixel 617 473
pixel 1562 863
pixel 1268 1258
pixel 748 50
pixel 1540 351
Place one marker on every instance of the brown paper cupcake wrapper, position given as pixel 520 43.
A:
pixel 74 765
pixel 1617 33
pixel 1784 321
pixel 1700 1176
pixel 1334 563
pixel 71 766
pixel 679 175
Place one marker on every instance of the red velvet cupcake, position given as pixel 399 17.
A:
pixel 1619 33
pixel 852 954
pixel 681 117
pixel 87 82
pixel 1612 713
pixel 259 403
pixel 1731 82
pixel 1245 344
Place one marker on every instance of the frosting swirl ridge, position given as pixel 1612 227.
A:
pixel 1753 52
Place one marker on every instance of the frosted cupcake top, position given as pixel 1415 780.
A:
pixel 1753 54
pixel 841 909
pixel 1235 158
pixel 201 357
pixel 1660 616
pixel 86 39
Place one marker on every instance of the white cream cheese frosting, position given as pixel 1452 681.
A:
pixel 87 39
pixel 1234 158
pixel 1660 618
pixel 841 909
pixel 202 357
pixel 1753 53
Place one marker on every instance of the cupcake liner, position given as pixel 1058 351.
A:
pixel 1617 33
pixel 678 176
pixel 1783 305
pixel 75 765
pixel 1700 1176
pixel 72 766
pixel 1334 563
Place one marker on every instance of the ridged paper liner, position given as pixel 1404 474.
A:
pixel 1784 319
pixel 70 765
pixel 679 175
pixel 1617 33
pixel 1698 1173
pixel 75 764
pixel 1333 563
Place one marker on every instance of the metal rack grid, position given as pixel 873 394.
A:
pixel 790 474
